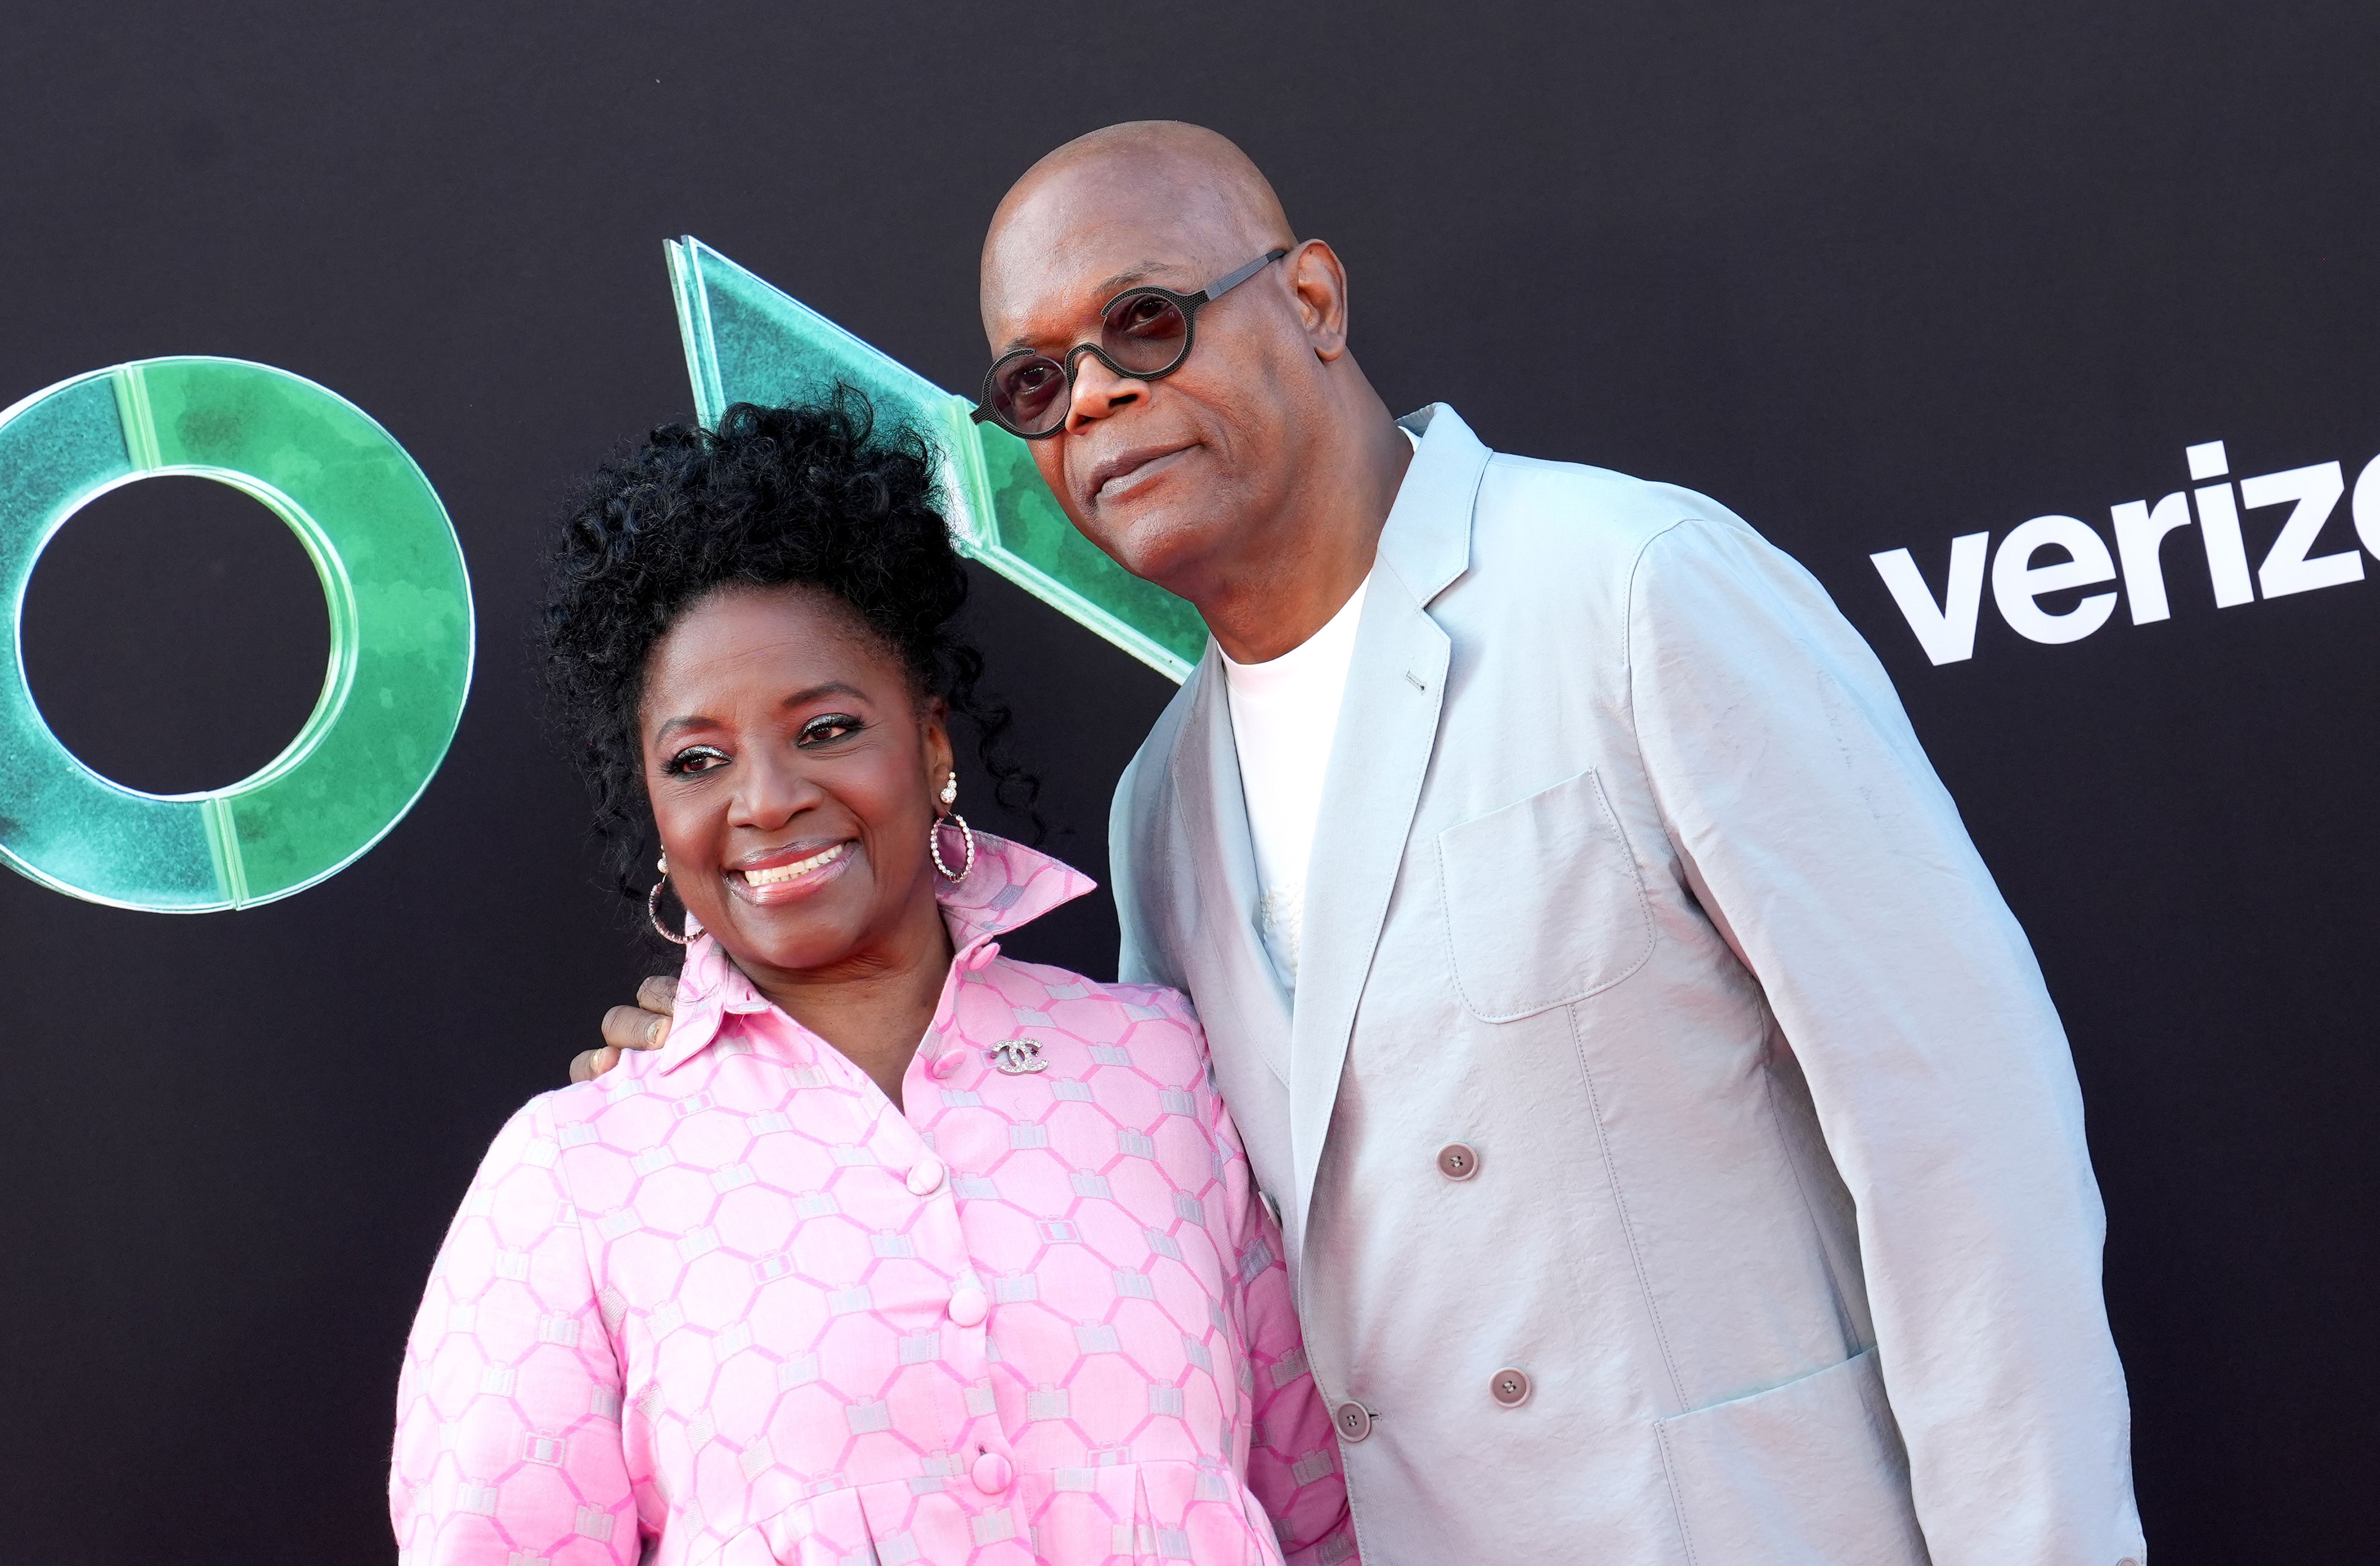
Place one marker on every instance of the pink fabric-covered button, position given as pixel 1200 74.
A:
pixel 925 1178
pixel 969 1307
pixel 983 953
pixel 992 1472
pixel 943 1064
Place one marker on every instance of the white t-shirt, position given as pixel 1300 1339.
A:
pixel 1284 714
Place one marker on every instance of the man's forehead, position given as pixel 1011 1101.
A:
pixel 1092 235
pixel 1031 274
pixel 1096 239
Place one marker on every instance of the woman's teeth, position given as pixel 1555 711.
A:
pixel 771 875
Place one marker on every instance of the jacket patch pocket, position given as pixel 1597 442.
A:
pixel 1808 1474
pixel 1542 906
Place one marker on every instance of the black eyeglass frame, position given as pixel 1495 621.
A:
pixel 1188 304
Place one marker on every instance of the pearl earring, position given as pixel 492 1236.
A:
pixel 950 790
pixel 653 904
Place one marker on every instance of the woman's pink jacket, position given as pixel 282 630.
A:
pixel 727 1304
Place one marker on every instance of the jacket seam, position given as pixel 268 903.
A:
pixel 1627 1222
pixel 1809 1208
pixel 1677 1500
pixel 1628 618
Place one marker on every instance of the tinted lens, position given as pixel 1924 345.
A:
pixel 1029 393
pixel 1144 332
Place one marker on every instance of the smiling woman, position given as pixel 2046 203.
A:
pixel 811 497
pixel 899 1249
pixel 792 768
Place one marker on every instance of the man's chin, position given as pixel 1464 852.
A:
pixel 1158 545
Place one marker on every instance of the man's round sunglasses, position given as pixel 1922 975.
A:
pixel 1145 334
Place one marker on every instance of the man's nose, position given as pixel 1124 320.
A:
pixel 1098 392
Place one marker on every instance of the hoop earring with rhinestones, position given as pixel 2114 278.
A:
pixel 934 846
pixel 653 905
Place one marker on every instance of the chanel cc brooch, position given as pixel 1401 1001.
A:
pixel 1019 1056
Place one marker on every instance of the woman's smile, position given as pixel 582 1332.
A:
pixel 774 876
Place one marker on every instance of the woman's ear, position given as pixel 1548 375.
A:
pixel 934 736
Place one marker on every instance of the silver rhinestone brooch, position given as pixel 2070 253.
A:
pixel 1019 1056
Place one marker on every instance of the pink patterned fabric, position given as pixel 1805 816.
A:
pixel 728 1304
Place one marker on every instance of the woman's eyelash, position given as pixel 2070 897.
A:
pixel 823 727
pixel 696 760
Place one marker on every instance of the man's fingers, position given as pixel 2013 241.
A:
pixel 592 1063
pixel 632 1027
pixel 659 993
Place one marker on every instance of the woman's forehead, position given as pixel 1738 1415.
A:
pixel 795 635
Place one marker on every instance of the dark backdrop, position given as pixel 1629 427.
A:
pixel 1876 276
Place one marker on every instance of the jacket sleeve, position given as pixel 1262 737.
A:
pixel 1293 1467
pixel 1818 838
pixel 508 1405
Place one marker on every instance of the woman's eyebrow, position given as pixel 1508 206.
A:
pixel 668 727
pixel 832 688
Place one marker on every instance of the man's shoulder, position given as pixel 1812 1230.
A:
pixel 1532 507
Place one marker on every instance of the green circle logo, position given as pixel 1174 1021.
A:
pixel 401 634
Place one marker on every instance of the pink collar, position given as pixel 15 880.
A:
pixel 1010 886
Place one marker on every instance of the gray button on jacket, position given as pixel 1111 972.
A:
pixel 1633 876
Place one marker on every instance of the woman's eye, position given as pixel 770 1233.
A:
pixel 827 729
pixel 695 759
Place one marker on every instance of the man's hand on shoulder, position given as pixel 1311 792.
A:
pixel 644 1026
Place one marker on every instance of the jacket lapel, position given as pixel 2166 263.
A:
pixel 1388 728
pixel 1225 962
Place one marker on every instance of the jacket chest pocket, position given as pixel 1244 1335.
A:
pixel 1542 901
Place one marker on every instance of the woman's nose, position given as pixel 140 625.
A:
pixel 773 789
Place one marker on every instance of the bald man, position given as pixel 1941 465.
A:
pixel 1680 1157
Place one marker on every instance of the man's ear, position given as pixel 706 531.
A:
pixel 1319 283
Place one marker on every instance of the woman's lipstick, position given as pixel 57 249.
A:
pixel 787 872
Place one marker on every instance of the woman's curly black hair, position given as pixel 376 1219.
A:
pixel 816 494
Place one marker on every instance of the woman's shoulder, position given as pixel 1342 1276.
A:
pixel 1146 1022
pixel 1146 1033
pixel 541 1130
pixel 1041 986
pixel 534 1126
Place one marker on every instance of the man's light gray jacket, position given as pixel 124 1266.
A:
pixel 1633 878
